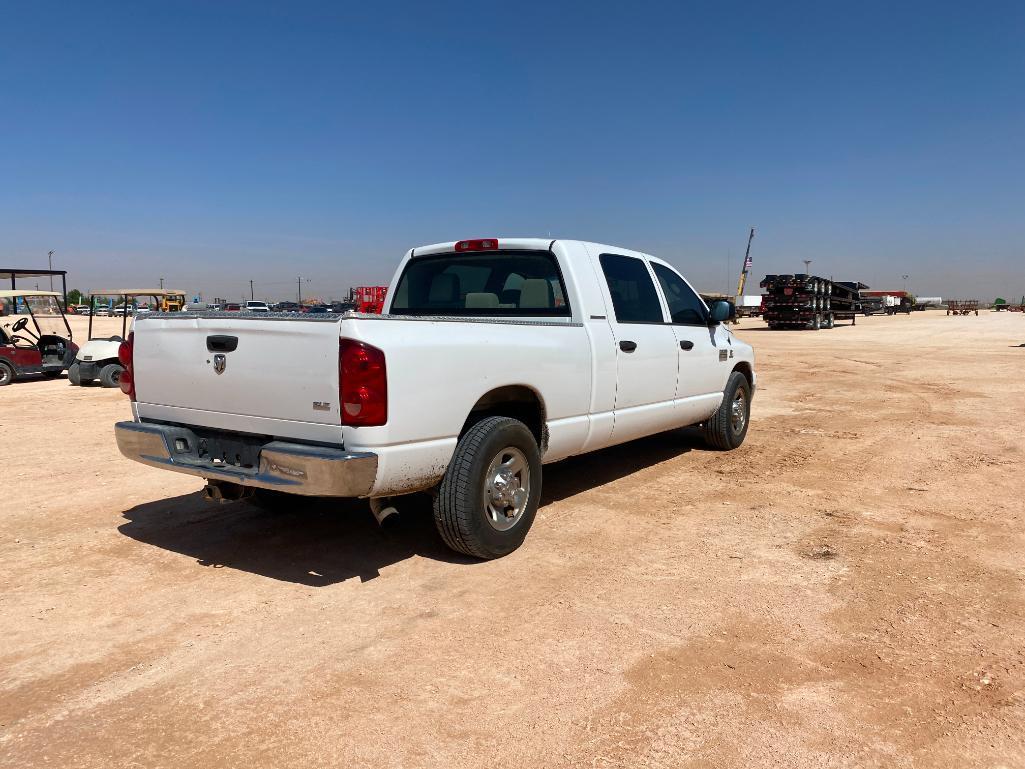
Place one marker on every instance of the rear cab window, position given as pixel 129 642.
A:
pixel 482 284
pixel 634 298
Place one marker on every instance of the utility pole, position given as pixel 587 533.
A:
pixel 906 282
pixel 161 284
pixel 807 266
pixel 49 260
pixel 299 293
pixel 251 294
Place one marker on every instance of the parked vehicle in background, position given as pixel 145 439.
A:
pixel 318 309
pixel 368 299
pixel 169 302
pixel 962 306
pixel 892 302
pixel 808 301
pixel 872 305
pixel 122 309
pixel 749 306
pixel 923 302
pixel 98 356
pixel 339 307
pixel 286 307
pixel 232 307
pixel 35 337
pixel 257 307
pixel 80 309
pixel 535 350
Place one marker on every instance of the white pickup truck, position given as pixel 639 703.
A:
pixel 491 358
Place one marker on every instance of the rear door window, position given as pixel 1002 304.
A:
pixel 495 283
pixel 633 294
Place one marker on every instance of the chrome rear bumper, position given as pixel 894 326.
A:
pixel 296 468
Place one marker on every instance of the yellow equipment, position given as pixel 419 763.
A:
pixel 747 266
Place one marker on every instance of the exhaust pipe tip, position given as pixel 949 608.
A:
pixel 223 491
pixel 385 513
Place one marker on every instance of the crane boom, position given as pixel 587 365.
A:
pixel 747 265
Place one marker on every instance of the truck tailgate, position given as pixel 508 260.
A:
pixel 282 371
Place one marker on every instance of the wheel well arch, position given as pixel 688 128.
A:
pixel 745 368
pixel 516 401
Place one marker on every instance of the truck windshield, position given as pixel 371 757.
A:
pixel 492 284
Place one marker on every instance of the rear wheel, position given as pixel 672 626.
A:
pixel 6 373
pixel 727 428
pixel 110 375
pixel 75 374
pixel 490 493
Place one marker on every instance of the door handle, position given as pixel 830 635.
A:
pixel 221 343
pixel 627 346
pixel 686 344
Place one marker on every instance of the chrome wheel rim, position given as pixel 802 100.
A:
pixel 738 412
pixel 506 488
pixel 5 375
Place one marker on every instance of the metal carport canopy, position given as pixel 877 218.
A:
pixel 12 274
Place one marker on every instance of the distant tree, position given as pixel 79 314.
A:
pixel 74 296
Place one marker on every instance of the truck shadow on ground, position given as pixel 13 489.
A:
pixel 318 542
pixel 322 542
pixel 581 473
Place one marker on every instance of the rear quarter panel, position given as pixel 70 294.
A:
pixel 438 369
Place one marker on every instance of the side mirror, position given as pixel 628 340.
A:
pixel 721 311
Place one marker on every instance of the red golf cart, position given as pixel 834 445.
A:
pixel 35 337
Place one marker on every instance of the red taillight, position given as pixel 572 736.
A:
pixel 477 245
pixel 125 356
pixel 362 384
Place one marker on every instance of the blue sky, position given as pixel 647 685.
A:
pixel 214 143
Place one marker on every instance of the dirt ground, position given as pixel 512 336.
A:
pixel 844 590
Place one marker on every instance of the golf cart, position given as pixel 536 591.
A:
pixel 97 358
pixel 35 337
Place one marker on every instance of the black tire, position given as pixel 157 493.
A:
pixel 816 322
pixel 721 431
pixel 110 375
pixel 460 513
pixel 74 375
pixel 6 373
pixel 829 321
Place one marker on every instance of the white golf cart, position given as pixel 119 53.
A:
pixel 97 358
